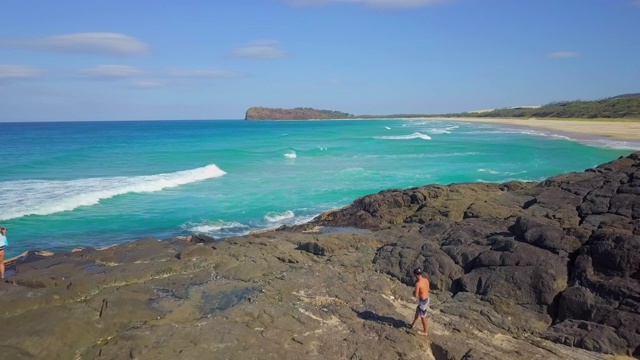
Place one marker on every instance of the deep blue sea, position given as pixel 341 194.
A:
pixel 70 184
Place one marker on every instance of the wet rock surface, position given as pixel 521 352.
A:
pixel 519 271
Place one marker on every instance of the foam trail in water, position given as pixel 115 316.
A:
pixel 223 229
pixel 217 228
pixel 43 197
pixel 275 217
pixel 291 155
pixel 415 135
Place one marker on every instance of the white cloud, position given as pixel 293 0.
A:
pixel 398 4
pixel 104 43
pixel 261 49
pixel 145 84
pixel 563 54
pixel 19 72
pixel 111 72
pixel 208 74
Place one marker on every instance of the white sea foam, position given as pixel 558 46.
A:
pixel 217 228
pixel 595 142
pixel 44 197
pixel 509 180
pixel 291 155
pixel 417 156
pixel 485 130
pixel 276 217
pixel 388 128
pixel 489 171
pixel 612 144
pixel 304 219
pixel 415 135
pixel 439 131
pixel 353 169
pixel 222 229
pixel 507 173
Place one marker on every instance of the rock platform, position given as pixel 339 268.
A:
pixel 546 270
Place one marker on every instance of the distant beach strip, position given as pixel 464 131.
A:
pixel 603 133
pixel 622 129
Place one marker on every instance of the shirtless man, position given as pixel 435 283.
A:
pixel 422 293
pixel 3 243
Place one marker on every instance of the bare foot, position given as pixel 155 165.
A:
pixel 422 333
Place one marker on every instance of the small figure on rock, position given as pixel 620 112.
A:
pixel 422 293
pixel 3 243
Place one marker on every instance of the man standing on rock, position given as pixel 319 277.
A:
pixel 422 293
pixel 3 243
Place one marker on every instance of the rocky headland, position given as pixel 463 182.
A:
pixel 547 270
pixel 300 113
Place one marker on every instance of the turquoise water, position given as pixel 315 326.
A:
pixel 64 185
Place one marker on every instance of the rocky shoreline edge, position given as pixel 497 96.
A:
pixel 547 270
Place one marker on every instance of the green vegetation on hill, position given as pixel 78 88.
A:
pixel 622 106
pixel 626 106
pixel 264 113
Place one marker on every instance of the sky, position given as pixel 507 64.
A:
pixel 72 60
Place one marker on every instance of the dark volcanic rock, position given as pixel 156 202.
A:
pixel 567 248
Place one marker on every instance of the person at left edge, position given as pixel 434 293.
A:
pixel 3 243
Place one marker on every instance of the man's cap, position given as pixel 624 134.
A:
pixel 417 272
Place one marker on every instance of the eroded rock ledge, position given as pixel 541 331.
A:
pixel 561 257
pixel 519 271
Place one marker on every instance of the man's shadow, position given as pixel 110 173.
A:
pixel 387 320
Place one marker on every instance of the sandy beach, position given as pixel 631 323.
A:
pixel 621 130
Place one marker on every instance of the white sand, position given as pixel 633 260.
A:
pixel 621 130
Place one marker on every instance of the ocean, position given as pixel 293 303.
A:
pixel 72 184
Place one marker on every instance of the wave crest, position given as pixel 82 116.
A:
pixel 44 197
pixel 217 228
pixel 415 135
pixel 275 216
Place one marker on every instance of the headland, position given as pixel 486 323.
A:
pixel 616 117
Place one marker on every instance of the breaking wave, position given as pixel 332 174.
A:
pixel 44 197
pixel 415 135
pixel 275 216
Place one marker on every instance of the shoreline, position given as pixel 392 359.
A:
pixel 153 297
pixel 587 136
pixel 618 130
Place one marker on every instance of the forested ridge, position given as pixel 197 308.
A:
pixel 626 106
pixel 622 106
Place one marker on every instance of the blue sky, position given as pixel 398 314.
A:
pixel 156 59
